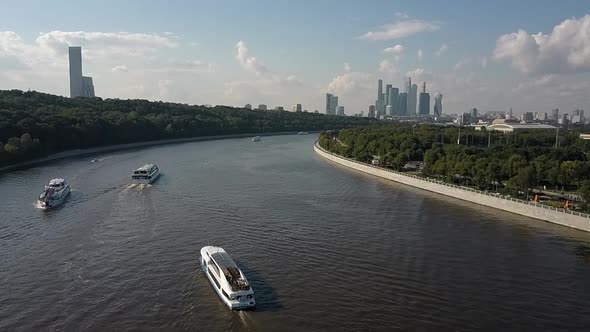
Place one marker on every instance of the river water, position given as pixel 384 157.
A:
pixel 324 247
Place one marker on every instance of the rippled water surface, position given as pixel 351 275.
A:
pixel 325 248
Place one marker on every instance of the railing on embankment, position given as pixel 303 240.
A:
pixel 527 208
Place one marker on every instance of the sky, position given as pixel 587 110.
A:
pixel 532 56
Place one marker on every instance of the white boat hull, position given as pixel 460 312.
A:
pixel 52 203
pixel 148 181
pixel 235 304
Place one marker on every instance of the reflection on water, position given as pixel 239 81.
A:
pixel 325 248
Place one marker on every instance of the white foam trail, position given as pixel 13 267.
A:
pixel 244 317
pixel 38 205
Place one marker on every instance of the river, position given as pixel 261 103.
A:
pixel 324 247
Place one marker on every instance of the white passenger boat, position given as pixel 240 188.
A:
pixel 256 139
pixel 55 193
pixel 228 280
pixel 146 174
pixel 302 133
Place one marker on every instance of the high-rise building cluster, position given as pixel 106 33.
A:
pixel 80 86
pixel 332 107
pixel 392 102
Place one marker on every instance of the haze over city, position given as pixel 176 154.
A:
pixel 281 53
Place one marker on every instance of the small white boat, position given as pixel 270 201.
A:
pixel 146 174
pixel 55 193
pixel 256 139
pixel 302 133
pixel 228 280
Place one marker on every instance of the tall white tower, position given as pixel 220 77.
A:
pixel 76 84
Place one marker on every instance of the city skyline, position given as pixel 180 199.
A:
pixel 535 63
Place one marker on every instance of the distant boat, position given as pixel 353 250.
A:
pixel 302 133
pixel 228 280
pixel 146 174
pixel 94 160
pixel 55 193
pixel 256 139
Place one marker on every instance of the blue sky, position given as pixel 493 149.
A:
pixel 295 51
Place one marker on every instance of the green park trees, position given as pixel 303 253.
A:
pixel 505 166
pixel 33 124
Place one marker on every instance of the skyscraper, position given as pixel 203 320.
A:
pixel 408 85
pixel 412 96
pixel 371 111
pixel 424 108
pixel 87 87
pixel 80 86
pixel 380 101
pixel 438 105
pixel 340 110
pixel 296 108
pixel 393 97
pixel 76 85
pixel 555 114
pixel 331 104
pixel 402 104
pixel 387 87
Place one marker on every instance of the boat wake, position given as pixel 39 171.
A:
pixel 245 318
pixel 101 159
pixel 136 187
pixel 38 205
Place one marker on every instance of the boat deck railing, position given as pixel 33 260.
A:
pixel 487 193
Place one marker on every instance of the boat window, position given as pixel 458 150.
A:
pixel 214 279
pixel 225 294
pixel 214 268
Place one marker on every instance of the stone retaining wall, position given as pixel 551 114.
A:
pixel 563 217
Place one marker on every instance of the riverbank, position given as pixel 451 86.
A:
pixel 530 209
pixel 119 147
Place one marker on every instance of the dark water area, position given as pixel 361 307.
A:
pixel 324 247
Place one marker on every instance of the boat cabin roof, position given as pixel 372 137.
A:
pixel 145 167
pixel 57 182
pixel 230 269
pixel 223 260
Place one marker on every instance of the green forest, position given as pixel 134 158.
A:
pixel 34 124
pixel 512 163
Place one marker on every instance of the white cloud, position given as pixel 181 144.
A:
pixel 97 44
pixel 441 50
pixel 419 74
pixel 349 82
pixel 346 67
pixel 565 50
pixel 395 50
pixel 401 15
pixel 249 63
pixel 387 67
pixel 420 54
pixel 189 66
pixel 401 29
pixel 119 68
pixel 461 64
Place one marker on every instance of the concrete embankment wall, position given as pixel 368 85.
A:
pixel 530 209
pixel 118 147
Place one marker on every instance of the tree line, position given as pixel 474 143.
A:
pixel 34 124
pixel 511 163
